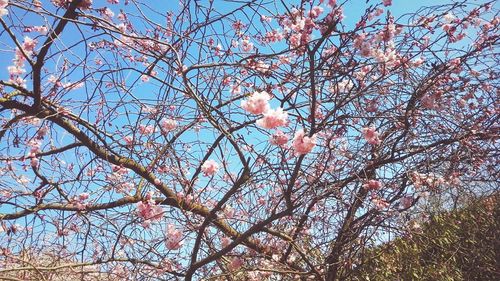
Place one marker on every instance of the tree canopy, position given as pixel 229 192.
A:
pixel 237 139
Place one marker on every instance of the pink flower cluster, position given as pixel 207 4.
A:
pixel 273 118
pixel 235 264
pixel 129 140
pixel 174 238
pixel 430 180
pixel 3 6
pixel 303 144
pixel 225 241
pixel 79 201
pixel 370 46
pixel 330 3
pixel 279 138
pixel 274 35
pixel 209 168
pixel 380 204
pixel 246 45
pixel 146 129
pixel 373 185
pixel 149 211
pixel 42 29
pixel 300 27
pixel 119 179
pixel 35 145
pixel 168 125
pixel 371 135
pixel 257 103
pixel 17 69
pixel 407 202
pixel 29 45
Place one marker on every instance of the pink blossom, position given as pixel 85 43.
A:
pixel 107 13
pixel 29 44
pixel 273 119
pixel 42 132
pixel 380 204
pixel 315 12
pixel 260 66
pixel 449 17
pixel 18 81
pixel 429 101
pixel 406 202
pixel 448 28
pixel 387 56
pixel 417 62
pixel 35 145
pixel 149 211
pixel 210 167
pixel 129 140
pixel 387 2
pixel 225 241
pixel 431 180
pixel 295 40
pixel 273 36
pixel 373 185
pixel 235 89
pixel 345 85
pixel 119 169
pixel 257 103
pixel 229 212
pixel 371 136
pixel 303 144
pixel 371 106
pixel 41 29
pixel 122 27
pixel 279 138
pixel 331 3
pixel 168 125
pixel 227 80
pixel 246 45
pixel 174 238
pixel 146 130
pixel 264 18
pixel 73 86
pixel 366 49
pixel 15 70
pixel 238 25
pixel 235 263
pixel 462 103
pixel 121 17
pixel 85 4
pixel 120 271
pixel 80 201
pixel 83 196
pixel 3 5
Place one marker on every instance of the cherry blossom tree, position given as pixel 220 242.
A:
pixel 235 140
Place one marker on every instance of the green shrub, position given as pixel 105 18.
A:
pixel 456 245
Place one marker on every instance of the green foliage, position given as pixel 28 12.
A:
pixel 457 245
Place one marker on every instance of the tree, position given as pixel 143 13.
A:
pixel 234 140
